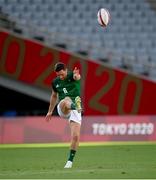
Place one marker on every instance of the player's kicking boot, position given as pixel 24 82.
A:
pixel 78 104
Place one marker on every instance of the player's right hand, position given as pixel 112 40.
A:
pixel 48 116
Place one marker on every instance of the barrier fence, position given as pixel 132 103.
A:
pixel 94 128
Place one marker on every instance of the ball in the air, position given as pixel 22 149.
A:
pixel 103 17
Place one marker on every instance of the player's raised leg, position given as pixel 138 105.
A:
pixel 65 106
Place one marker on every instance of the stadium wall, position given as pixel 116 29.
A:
pixel 105 90
pixel 94 128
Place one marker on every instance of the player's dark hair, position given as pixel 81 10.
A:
pixel 59 66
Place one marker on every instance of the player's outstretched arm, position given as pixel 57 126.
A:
pixel 76 74
pixel 53 101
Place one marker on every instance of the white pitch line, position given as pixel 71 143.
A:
pixel 82 144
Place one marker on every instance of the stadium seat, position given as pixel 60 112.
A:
pixel 131 30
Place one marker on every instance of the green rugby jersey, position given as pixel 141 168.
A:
pixel 67 87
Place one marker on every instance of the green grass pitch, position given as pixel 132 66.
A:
pixel 92 161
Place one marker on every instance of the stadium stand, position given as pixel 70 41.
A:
pixel 129 42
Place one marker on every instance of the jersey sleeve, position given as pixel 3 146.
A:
pixel 70 75
pixel 53 86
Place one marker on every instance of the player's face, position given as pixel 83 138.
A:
pixel 62 74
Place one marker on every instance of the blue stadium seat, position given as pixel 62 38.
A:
pixel 131 31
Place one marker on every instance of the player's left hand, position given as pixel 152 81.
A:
pixel 76 70
pixel 76 74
